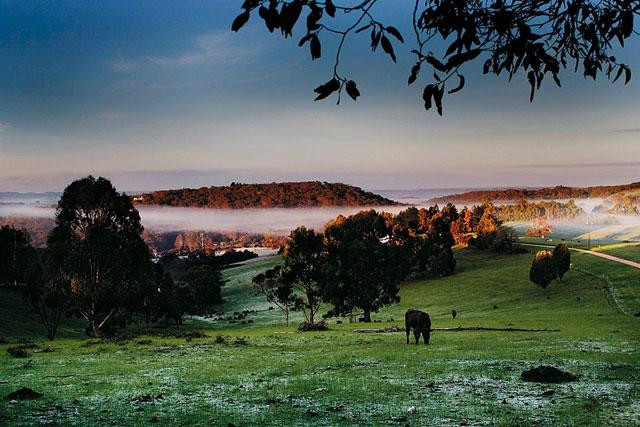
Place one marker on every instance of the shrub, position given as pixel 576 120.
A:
pixel 220 339
pixel 18 352
pixel 317 326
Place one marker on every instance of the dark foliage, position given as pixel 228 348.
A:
pixel 304 269
pixel 48 292
pixel 16 255
pixel 561 259
pixel 543 269
pixel 521 37
pixel 277 287
pixel 362 270
pixel 97 248
pixel 316 326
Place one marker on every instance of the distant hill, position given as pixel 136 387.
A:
pixel 272 195
pixel 558 192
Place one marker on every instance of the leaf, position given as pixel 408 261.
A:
pixel 305 39
pixel 330 8
pixel 531 76
pixel 460 85
pixel 627 75
pixel 395 33
pixel 414 73
pixel 327 89
pixel 240 21
pixel 619 73
pixel 315 47
pixel 436 64
pixel 352 90
pixel 455 45
pixel 387 47
pixel 361 29
pixel 557 80
pixel 485 67
pixel 460 58
pixel 375 38
pixel 437 97
pixel 427 94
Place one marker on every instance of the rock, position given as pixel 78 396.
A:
pixel 321 389
pixel 412 410
pixel 23 393
pixel 548 393
pixel 547 374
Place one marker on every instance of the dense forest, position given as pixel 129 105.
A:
pixel 548 210
pixel 272 195
pixel 558 192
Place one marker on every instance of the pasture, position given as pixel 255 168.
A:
pixel 261 373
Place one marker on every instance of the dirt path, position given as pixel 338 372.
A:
pixel 598 254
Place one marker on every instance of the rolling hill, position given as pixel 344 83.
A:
pixel 264 373
pixel 272 195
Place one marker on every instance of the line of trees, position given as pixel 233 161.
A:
pixel 97 266
pixel 481 226
pixel 357 262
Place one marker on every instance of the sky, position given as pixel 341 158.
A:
pixel 161 94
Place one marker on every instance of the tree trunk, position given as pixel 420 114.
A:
pixel 96 329
pixel 367 315
pixel 286 316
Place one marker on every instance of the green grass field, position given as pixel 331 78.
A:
pixel 266 374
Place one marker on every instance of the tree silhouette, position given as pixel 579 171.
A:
pixel 536 37
pixel 97 248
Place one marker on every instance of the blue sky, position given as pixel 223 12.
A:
pixel 160 94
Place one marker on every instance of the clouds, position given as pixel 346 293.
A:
pixel 217 48
pixel 4 127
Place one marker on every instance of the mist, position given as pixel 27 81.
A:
pixel 279 221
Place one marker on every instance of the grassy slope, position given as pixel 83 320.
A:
pixel 340 377
pixel 623 250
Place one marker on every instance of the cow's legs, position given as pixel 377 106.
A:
pixel 426 335
pixel 416 334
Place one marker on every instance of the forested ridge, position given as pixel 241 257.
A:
pixel 271 195
pixel 557 192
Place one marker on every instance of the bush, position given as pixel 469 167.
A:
pixel 18 352
pixel 318 326
pixel 220 339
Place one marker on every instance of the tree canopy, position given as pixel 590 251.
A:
pixel 537 38
pixel 97 248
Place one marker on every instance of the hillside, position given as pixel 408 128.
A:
pixel 273 195
pixel 549 193
pixel 263 373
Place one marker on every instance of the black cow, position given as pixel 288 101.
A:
pixel 420 322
